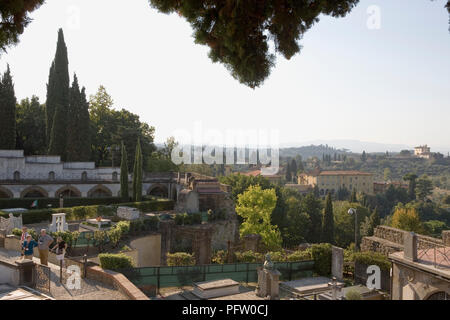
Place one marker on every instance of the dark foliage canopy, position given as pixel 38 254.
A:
pixel 238 32
pixel 14 19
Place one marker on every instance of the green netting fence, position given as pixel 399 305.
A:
pixel 163 277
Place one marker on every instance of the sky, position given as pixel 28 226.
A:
pixel 381 74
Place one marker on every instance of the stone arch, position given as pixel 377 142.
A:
pixel 158 190
pixel 5 193
pixel 34 192
pixel 99 191
pixel 68 192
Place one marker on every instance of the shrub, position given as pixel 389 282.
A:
pixel 321 254
pixel 115 261
pixel 151 223
pixel 180 259
pixel 188 219
pixel 219 214
pixel 277 256
pixel 373 258
pixel 114 235
pixel 136 226
pixel 219 257
pixel 124 226
pixel 353 295
pixel 249 257
pixel 16 232
pixel 300 255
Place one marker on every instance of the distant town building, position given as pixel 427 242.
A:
pixel 332 181
pixel 381 187
pixel 422 152
pixel 277 178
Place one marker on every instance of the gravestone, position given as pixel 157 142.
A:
pixel 215 288
pixel 58 223
pixel 337 262
pixel 128 213
pixel 268 281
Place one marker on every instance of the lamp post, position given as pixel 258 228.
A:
pixel 352 211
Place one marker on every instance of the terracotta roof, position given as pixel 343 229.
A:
pixel 252 173
pixel 344 173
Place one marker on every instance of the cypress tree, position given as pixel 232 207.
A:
pixel 354 198
pixel 293 168
pixel 137 173
pixel 58 90
pixel 85 128
pixel 124 174
pixel 328 222
pixel 78 136
pixel 288 172
pixel 50 104
pixel 7 112
pixel 73 129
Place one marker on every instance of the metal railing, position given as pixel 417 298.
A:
pixel 439 253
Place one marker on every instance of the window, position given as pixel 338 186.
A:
pixel 16 176
pixel 51 176
pixel 84 176
pixel 114 176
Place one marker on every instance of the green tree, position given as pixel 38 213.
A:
pixel 354 197
pixel 137 174
pixel 112 127
pixel 14 18
pixel 296 231
pixel 411 178
pixel 57 105
pixel 364 156
pixel 293 168
pixel 124 174
pixel 327 234
pixel 30 126
pixel 255 206
pixel 407 218
pixel 288 172
pixel 313 206
pixel 7 112
pixel 387 174
pixel 424 187
pixel 78 125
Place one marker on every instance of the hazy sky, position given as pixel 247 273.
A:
pixel 389 85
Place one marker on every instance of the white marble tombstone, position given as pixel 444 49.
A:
pixel 58 223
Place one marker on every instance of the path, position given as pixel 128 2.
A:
pixel 89 289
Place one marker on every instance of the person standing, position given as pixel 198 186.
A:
pixel 60 251
pixel 23 237
pixel 44 242
pixel 28 247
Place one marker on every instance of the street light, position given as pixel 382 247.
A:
pixel 352 211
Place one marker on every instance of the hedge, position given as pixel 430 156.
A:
pixel 321 254
pixel 180 259
pixel 85 212
pixel 115 262
pixel 54 202
pixel 373 258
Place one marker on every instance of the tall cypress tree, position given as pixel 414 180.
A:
pixel 73 129
pixel 78 136
pixel 328 221
pixel 124 174
pixel 137 173
pixel 7 112
pixel 50 104
pixel 58 91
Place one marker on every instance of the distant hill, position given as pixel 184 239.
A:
pixel 357 146
pixel 311 151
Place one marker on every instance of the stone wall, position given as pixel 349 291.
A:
pixel 388 240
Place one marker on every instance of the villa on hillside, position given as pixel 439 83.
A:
pixel 332 181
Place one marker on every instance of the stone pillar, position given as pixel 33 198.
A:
pixel 2 238
pixel 268 284
pixel 26 270
pixel 337 263
pixel 446 237
pixel 410 242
